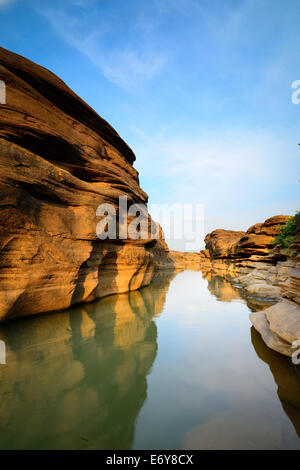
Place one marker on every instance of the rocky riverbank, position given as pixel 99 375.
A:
pixel 251 262
pixel 59 162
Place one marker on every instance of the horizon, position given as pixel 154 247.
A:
pixel 213 110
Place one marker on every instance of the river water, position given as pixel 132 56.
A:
pixel 175 365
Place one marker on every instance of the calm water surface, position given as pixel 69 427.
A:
pixel 175 365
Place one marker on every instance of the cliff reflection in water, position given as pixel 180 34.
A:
pixel 77 379
pixel 225 291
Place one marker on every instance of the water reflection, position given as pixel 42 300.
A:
pixel 78 380
pixel 222 289
pixel 286 377
pixel 225 291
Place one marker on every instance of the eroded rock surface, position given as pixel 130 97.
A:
pixel 191 261
pixel 250 258
pixel 280 324
pixel 256 241
pixel 261 324
pixel 59 161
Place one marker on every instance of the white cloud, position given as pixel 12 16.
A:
pixel 128 65
pixel 128 69
pixel 238 175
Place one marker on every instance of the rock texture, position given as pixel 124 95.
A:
pixel 220 243
pixel 257 241
pixel 290 288
pixel 261 324
pixel 248 258
pixel 58 161
pixel 191 261
pixel 280 324
pixel 284 321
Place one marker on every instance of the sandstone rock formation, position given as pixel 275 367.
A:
pixel 191 261
pixel 248 257
pixel 220 242
pixel 258 240
pixel 59 161
pixel 280 324
pixel 290 288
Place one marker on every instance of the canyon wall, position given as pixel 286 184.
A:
pixel 250 258
pixel 59 161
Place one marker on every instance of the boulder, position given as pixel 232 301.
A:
pixel 263 290
pixel 260 323
pixel 272 225
pixel 219 243
pixel 284 321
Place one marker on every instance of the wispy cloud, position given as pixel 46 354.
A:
pixel 237 174
pixel 128 64
pixel 5 3
pixel 215 120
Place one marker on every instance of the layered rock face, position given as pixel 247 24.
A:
pixel 59 161
pixel 191 261
pixel 256 242
pixel 249 258
pixel 290 289
pixel 279 325
pixel 220 242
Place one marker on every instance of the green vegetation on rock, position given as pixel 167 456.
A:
pixel 287 234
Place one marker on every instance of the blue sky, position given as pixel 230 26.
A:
pixel 200 89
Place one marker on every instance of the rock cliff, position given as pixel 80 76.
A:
pixel 59 161
pixel 255 242
pixel 250 258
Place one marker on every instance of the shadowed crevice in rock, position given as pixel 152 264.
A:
pixel 95 261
